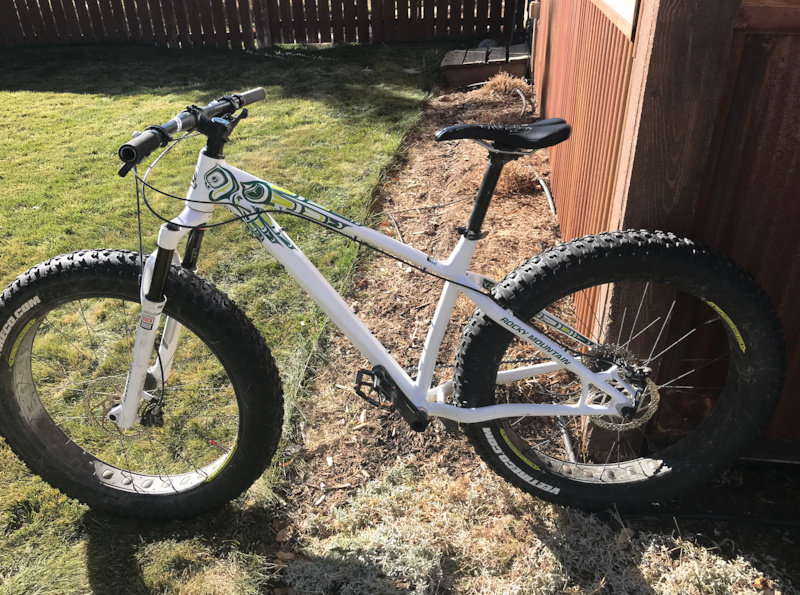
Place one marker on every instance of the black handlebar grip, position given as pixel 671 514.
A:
pixel 253 95
pixel 140 147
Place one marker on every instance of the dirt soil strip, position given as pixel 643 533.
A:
pixel 346 441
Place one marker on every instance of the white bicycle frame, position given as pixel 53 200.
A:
pixel 216 183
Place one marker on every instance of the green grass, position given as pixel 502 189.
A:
pixel 332 120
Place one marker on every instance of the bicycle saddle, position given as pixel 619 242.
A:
pixel 544 133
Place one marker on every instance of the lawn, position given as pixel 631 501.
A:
pixel 333 119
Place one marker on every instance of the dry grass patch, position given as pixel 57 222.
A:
pixel 416 530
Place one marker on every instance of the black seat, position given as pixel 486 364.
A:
pixel 544 133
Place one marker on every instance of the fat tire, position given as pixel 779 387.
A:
pixel 207 312
pixel 739 415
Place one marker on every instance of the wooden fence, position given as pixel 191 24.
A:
pixel 250 24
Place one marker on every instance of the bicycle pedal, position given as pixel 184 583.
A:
pixel 389 397
pixel 374 395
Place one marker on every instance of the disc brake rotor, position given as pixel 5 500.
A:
pixel 648 405
pixel 99 398
pixel 605 356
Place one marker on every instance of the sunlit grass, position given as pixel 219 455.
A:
pixel 332 120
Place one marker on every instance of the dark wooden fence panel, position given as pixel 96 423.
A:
pixel 248 24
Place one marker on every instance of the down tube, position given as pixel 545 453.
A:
pixel 326 297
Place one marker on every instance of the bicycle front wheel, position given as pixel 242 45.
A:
pixel 682 323
pixel 66 349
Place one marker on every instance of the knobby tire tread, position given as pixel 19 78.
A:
pixel 261 411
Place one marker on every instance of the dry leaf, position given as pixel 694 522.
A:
pixel 286 556
pixel 624 538
pixel 278 524
pixel 280 564
pixel 284 534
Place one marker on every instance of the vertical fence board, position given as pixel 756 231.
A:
pixel 495 18
pixel 287 36
pixel 69 30
pixel 132 18
pixel 120 21
pixel 157 21
pixel 482 19
pixel 403 33
pixel 220 26
pixel 234 28
pixel 349 7
pixel 508 18
pixel 441 19
pixel 429 18
pixel 27 34
pixel 37 23
pixel 85 22
pixel 10 25
pixel 96 19
pixel 183 23
pixel 51 30
pixel 378 29
pixel 169 9
pixel 268 22
pixel 325 21
pixel 298 21
pixel 454 28
pixel 312 23
pixel 468 20
pixel 389 21
pixel 194 24
pixel 246 19
pixel 362 12
pixel 109 23
pixel 206 22
pixel 415 33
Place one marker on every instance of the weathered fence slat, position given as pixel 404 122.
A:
pixel 298 21
pixel 132 17
pixel 183 23
pixel 207 22
pixel 349 20
pixel 268 22
pixel 481 19
pixel 441 19
pixel 234 28
pixel 51 31
pixel 403 28
pixel 220 27
pixel 10 25
pixel 312 24
pixel 362 12
pixel 169 9
pixel 337 20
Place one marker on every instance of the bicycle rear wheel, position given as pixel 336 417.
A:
pixel 681 321
pixel 66 351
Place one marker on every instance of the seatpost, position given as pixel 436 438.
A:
pixel 496 163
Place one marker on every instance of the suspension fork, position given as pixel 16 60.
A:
pixel 141 376
pixel 159 372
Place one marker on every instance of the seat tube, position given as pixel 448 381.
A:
pixel 490 177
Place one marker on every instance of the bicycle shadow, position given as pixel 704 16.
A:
pixel 133 557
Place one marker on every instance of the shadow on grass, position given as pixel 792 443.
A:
pixel 335 76
pixel 119 552
pixel 134 557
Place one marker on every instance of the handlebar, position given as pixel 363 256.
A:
pixel 132 152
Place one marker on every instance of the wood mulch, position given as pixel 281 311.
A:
pixel 429 192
